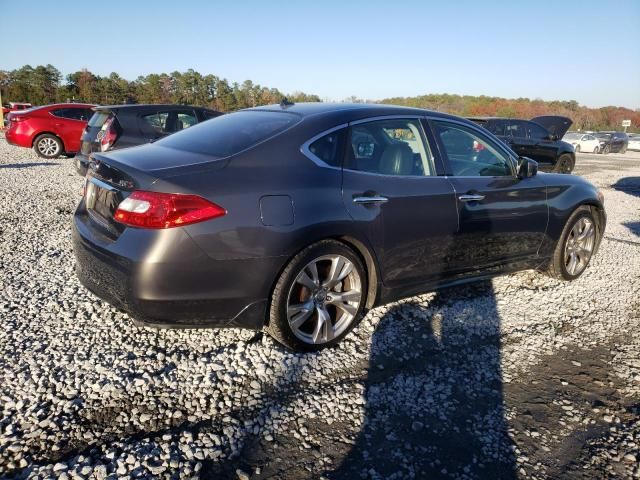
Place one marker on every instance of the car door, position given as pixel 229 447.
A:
pixel 543 148
pixel 502 218
pixel 516 137
pixel 69 127
pixel 392 190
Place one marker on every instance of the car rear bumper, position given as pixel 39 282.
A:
pixel 167 281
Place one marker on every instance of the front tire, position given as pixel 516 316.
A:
pixel 318 298
pixel 606 149
pixel 575 246
pixel 577 149
pixel 564 164
pixel 596 150
pixel 48 146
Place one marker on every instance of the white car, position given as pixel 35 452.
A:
pixel 634 142
pixel 582 142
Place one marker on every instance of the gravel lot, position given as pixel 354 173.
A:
pixel 520 377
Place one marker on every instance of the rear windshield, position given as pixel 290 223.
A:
pixel 98 118
pixel 229 134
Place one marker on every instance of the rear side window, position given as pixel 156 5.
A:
pixel 229 134
pixel 98 118
pixel 330 148
pixel 389 147
pixel 72 113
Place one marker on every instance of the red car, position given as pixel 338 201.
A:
pixel 51 130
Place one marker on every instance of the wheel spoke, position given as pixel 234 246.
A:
pixel 340 268
pixel 305 280
pixel 340 300
pixel 587 233
pixel 573 263
pixel 313 270
pixel 299 313
pixel 324 326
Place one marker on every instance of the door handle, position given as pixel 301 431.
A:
pixel 370 200
pixel 470 198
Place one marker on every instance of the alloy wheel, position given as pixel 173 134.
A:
pixel 324 299
pixel 579 246
pixel 48 146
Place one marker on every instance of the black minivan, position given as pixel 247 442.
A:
pixel 119 126
pixel 538 139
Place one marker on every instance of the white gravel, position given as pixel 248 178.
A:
pixel 86 394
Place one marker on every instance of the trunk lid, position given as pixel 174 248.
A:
pixel 556 125
pixel 90 138
pixel 113 176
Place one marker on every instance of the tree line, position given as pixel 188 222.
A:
pixel 44 84
pixel 584 118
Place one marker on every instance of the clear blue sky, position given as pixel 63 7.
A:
pixel 587 50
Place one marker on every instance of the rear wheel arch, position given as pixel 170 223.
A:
pixel 39 134
pixel 359 248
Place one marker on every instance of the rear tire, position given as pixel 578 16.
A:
pixel 575 246
pixel 577 148
pixel 318 298
pixel 564 164
pixel 48 146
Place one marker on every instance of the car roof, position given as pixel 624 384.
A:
pixel 145 106
pixel 348 111
pixel 69 105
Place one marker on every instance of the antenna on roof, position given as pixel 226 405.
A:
pixel 284 103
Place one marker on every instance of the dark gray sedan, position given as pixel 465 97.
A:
pixel 299 218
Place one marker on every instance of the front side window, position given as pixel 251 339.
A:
pixel 330 148
pixel 389 147
pixel 470 154
pixel 536 132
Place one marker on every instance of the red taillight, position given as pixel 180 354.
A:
pixel 109 135
pixel 165 210
pixel 16 119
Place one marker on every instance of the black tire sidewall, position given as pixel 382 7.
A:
pixel 278 310
pixel 577 215
pixel 562 160
pixel 42 137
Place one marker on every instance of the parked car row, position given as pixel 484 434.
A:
pixel 538 139
pixel 71 128
pixel 598 142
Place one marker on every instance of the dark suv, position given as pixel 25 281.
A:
pixel 119 126
pixel 538 138
pixel 613 142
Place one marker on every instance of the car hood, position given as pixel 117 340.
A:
pixel 556 125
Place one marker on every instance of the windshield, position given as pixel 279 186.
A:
pixel 229 134
pixel 573 136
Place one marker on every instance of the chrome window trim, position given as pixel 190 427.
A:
pixel 385 117
pixel 304 148
pixel 483 132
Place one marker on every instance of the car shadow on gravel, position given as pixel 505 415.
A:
pixel 630 185
pixel 29 165
pixel 434 394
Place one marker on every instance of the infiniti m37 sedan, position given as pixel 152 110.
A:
pixel 298 218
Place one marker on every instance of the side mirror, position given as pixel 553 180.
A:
pixel 527 168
